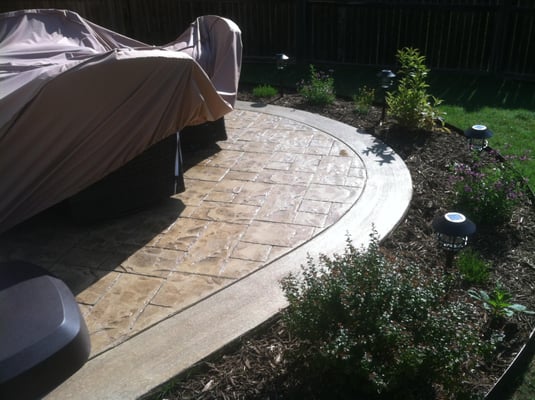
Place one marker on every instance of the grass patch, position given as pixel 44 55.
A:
pixel 526 387
pixel 514 131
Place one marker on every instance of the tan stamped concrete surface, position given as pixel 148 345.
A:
pixel 166 287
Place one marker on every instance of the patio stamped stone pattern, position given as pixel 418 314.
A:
pixel 274 185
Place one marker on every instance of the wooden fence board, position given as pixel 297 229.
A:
pixel 496 36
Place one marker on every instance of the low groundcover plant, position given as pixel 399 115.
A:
pixel 264 91
pixel 487 193
pixel 498 303
pixel 472 267
pixel 373 328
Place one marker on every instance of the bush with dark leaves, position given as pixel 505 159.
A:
pixel 370 327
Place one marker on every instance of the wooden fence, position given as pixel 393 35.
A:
pixel 494 36
pixel 490 36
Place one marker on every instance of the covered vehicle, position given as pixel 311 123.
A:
pixel 79 101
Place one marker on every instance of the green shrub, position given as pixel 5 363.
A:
pixel 319 89
pixel 488 193
pixel 410 104
pixel 472 267
pixel 374 328
pixel 363 100
pixel 264 91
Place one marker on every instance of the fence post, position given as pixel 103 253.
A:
pixel 301 11
pixel 502 16
pixel 341 22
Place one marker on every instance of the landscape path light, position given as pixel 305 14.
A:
pixel 453 230
pixel 477 137
pixel 386 80
pixel 281 62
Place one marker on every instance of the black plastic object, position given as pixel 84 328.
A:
pixel 454 224
pixel 43 336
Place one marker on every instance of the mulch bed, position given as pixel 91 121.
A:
pixel 255 366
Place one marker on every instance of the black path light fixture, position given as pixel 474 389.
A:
pixel 386 80
pixel 478 136
pixel 453 230
pixel 281 62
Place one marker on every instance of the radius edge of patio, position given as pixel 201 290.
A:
pixel 156 355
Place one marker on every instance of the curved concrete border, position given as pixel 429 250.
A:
pixel 151 358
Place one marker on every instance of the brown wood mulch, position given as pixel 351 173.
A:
pixel 255 366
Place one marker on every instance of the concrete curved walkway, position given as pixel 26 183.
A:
pixel 285 185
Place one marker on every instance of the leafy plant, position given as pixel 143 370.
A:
pixel 472 267
pixel 319 89
pixel 374 327
pixel 498 303
pixel 487 193
pixel 264 91
pixel 410 104
pixel 363 100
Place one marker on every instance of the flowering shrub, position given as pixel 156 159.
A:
pixel 319 90
pixel 487 194
pixel 376 328
pixel 410 104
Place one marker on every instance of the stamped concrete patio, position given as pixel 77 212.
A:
pixel 164 288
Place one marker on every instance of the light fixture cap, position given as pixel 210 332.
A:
pixel 478 132
pixel 454 224
pixel 386 78
pixel 281 60
pixel 386 73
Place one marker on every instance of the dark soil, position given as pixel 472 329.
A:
pixel 256 368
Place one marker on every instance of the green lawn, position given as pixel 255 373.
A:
pixel 526 385
pixel 506 107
